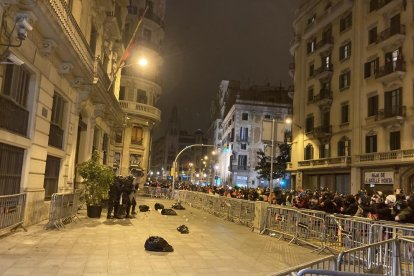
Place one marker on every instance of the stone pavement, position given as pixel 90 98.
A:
pixel 116 247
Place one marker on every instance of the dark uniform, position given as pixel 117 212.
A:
pixel 113 200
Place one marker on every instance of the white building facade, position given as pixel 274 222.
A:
pixel 238 135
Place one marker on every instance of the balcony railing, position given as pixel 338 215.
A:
pixel 322 131
pixel 152 16
pixel 242 138
pixel 325 43
pixel 341 161
pixel 324 96
pixel 55 136
pixel 390 157
pixel 142 109
pixel 387 33
pixel 13 117
pixel 323 71
pixel 391 67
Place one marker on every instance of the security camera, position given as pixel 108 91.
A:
pixel 24 23
pixel 14 59
pixel 21 33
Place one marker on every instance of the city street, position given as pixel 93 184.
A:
pixel 116 247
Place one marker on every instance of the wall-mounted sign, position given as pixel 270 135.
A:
pixel 377 178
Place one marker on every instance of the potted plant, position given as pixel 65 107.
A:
pixel 96 180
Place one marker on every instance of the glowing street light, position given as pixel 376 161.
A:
pixel 143 62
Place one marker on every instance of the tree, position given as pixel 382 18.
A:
pixel 279 163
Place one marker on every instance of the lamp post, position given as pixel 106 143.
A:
pixel 174 165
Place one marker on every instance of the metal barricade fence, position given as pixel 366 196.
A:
pixel 327 263
pixel 281 220
pixel 12 211
pixel 406 255
pixel 377 258
pixel 63 209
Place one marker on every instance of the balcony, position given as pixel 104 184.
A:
pixel 385 158
pixel 243 139
pixel 334 162
pixel 327 17
pixel 143 110
pixel 325 71
pixel 324 98
pixel 325 45
pixel 238 168
pixel 153 17
pixel 55 136
pixel 391 71
pixel 384 6
pixel 294 44
pixel 391 38
pixel 322 131
pixel 13 117
pixel 393 115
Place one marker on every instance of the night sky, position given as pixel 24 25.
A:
pixel 211 40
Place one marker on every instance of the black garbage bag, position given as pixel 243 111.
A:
pixel 158 244
pixel 158 206
pixel 177 206
pixel 143 208
pixel 183 229
pixel 168 212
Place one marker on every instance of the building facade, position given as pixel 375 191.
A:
pixel 237 129
pixel 59 94
pixel 140 87
pixel 353 116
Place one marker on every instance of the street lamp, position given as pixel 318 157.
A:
pixel 174 166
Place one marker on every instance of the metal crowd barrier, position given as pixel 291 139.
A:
pixel 157 192
pixel 63 209
pixel 327 263
pixel 12 211
pixel 232 209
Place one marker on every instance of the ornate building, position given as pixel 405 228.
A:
pixel 353 115
pixel 60 89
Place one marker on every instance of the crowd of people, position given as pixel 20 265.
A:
pixel 366 203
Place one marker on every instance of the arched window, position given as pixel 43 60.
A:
pixel 309 152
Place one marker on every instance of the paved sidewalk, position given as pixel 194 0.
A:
pixel 116 247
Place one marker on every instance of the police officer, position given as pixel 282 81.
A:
pixel 113 198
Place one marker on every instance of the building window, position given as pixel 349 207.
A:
pixel 13 99
pixel 118 136
pixel 136 135
pixel 311 46
pixel 371 143
pixel 93 38
pixel 371 68
pixel 105 144
pixel 242 162
pixel 393 103
pixel 373 5
pixel 267 116
pixel 345 80
pixel 312 19
pixel 147 34
pixel 141 96
pixel 308 152
pixel 244 134
pixel 56 125
pixel 311 70
pixel 243 146
pixel 344 113
pixel 395 142
pixel 96 138
pixel 345 23
pixel 372 36
pixel 245 116
pixel 310 94
pixel 373 106
pixel 324 151
pixel 122 96
pixel 309 124
pixel 344 147
pixel 345 51
pixel 51 176
pixel 11 164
